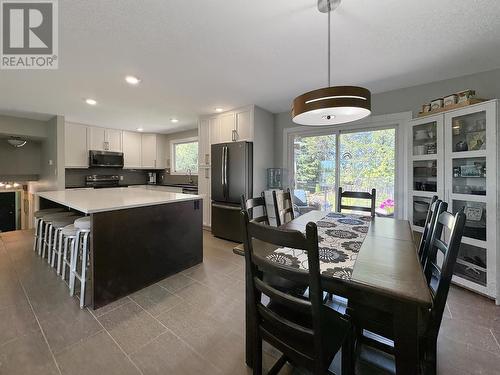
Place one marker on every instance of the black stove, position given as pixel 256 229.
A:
pixel 103 181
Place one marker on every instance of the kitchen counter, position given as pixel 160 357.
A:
pixel 138 236
pixel 91 201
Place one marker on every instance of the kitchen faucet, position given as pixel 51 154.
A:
pixel 190 181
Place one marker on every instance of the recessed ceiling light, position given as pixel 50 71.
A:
pixel 140 129
pixel 90 101
pixel 174 120
pixel 132 80
pixel 219 109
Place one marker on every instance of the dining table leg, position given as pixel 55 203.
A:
pixel 406 340
pixel 249 332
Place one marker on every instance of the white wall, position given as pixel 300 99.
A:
pixel 52 176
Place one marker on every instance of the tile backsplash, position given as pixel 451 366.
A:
pixel 76 177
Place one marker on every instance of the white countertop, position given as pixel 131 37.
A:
pixel 99 200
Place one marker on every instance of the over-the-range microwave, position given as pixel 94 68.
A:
pixel 105 159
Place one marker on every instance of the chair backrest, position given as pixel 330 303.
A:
pixel 439 274
pixel 255 206
pixel 357 195
pixel 286 211
pixel 428 226
pixel 302 344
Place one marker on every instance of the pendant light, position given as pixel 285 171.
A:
pixel 333 104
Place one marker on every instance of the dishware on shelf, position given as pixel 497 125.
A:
pixel 469 170
pixel 461 146
pixel 421 134
pixel 420 206
pixel 473 213
pixel 420 150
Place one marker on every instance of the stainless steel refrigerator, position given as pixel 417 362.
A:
pixel 231 178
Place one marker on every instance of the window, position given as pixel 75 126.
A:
pixel 184 155
pixel 357 157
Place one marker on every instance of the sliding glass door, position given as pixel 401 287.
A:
pixel 315 158
pixel 355 160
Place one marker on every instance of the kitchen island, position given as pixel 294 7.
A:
pixel 138 236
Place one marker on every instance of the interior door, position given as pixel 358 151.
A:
pixel 7 211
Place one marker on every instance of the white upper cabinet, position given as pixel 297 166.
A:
pixel 97 139
pixel 113 139
pixel 204 147
pixel 132 149
pixel 214 136
pixel 76 148
pixel 105 139
pixel 161 152
pixel 149 147
pixel 227 127
pixel 243 130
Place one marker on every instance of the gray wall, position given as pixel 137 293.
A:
pixel 20 163
pixel 23 127
pixel 52 175
pixel 486 84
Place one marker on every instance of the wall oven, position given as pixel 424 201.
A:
pixel 105 159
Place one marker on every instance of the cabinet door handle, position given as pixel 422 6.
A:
pixel 207 159
pixel 206 173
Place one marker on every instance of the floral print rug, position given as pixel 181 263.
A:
pixel 340 237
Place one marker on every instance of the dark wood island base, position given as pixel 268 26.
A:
pixel 136 247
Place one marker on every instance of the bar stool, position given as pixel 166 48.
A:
pixel 37 219
pixel 57 246
pixel 69 235
pixel 80 255
pixel 47 236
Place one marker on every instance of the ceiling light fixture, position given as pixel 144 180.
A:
pixel 332 104
pixel 140 129
pixel 219 110
pixel 16 142
pixel 132 80
pixel 174 120
pixel 90 101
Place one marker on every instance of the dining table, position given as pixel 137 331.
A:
pixel 369 261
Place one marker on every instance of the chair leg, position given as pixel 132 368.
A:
pixel 58 251
pixel 279 365
pixel 257 355
pixel 72 269
pixel 348 350
pixel 430 361
pixel 64 257
pixel 40 238
pixel 83 280
pixel 49 244
pixel 35 224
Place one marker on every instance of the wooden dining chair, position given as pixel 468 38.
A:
pixel 286 211
pixel 373 351
pixel 255 206
pixel 430 220
pixel 438 274
pixel 357 195
pixel 307 332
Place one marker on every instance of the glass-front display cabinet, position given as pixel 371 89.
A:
pixel 467 147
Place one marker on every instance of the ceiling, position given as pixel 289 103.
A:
pixel 193 56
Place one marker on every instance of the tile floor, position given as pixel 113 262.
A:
pixel 190 323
